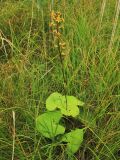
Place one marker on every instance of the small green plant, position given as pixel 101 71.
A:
pixel 59 108
pixel 49 123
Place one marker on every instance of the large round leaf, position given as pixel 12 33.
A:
pixel 67 104
pixel 53 101
pixel 74 140
pixel 74 101
pixel 48 124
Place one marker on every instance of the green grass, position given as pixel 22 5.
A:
pixel 30 71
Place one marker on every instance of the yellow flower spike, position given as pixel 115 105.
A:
pixel 56 25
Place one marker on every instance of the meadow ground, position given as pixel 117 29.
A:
pixel 30 70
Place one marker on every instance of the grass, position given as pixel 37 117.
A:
pixel 30 71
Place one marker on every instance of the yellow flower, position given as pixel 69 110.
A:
pixel 56 24
pixel 52 24
pixel 62 45
pixel 58 19
pixel 61 27
pixel 53 14
pixel 62 19
pixel 57 34
pixel 63 54
pixel 58 14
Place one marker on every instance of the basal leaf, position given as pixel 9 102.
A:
pixel 74 140
pixel 69 110
pixel 48 124
pixel 74 101
pixel 67 104
pixel 53 101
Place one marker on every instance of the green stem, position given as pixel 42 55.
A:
pixel 62 67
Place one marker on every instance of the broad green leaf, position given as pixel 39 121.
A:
pixel 67 104
pixel 74 140
pixel 48 124
pixel 53 101
pixel 70 111
pixel 74 101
